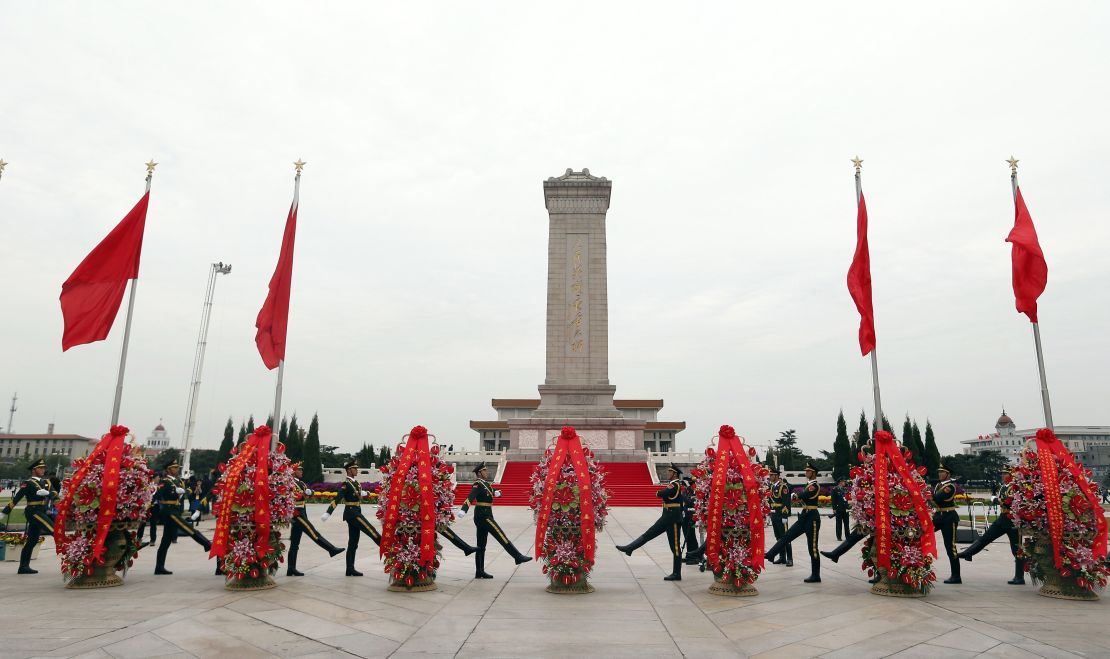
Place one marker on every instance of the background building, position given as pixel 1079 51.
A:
pixel 158 441
pixel 17 448
pixel 1087 443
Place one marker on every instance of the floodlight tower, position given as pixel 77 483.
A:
pixel 198 364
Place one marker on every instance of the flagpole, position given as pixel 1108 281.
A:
pixel 299 165
pixel 2 166
pixel 1046 404
pixel 874 358
pixel 127 327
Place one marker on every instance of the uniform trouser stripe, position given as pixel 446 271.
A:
pixel 308 529
pixel 497 530
pixel 183 525
pixel 677 546
pixel 49 527
pixel 370 530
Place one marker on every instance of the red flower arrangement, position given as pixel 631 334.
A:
pixel 254 499
pixel 744 488
pixel 1054 505
pixel 110 489
pixel 409 548
pixel 888 502
pixel 569 503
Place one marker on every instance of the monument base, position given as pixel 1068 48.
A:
pixel 600 435
pixel 577 401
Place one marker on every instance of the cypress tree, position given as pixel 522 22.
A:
pixel 225 446
pixel 283 433
pixel 862 438
pixel 384 455
pixel 932 455
pixel 250 425
pixel 313 470
pixel 294 445
pixel 242 433
pixel 842 449
pixel 907 440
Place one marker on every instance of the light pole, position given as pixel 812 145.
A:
pixel 198 364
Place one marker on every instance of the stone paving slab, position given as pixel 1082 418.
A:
pixel 633 613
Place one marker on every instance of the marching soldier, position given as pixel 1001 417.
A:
pixel 809 523
pixel 169 494
pixel 840 508
pixel 481 497
pixel 1003 525
pixel 670 522
pixel 37 490
pixel 302 525
pixel 780 515
pixel 689 530
pixel 946 519
pixel 350 495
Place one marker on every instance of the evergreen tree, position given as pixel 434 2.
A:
pixel 886 425
pixel 932 455
pixel 907 440
pixel 313 470
pixel 242 433
pixel 270 422
pixel 842 449
pixel 915 439
pixel 294 442
pixel 862 438
pixel 225 446
pixel 384 455
pixel 786 447
pixel 250 425
pixel 283 433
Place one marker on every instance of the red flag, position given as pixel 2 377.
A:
pixel 1030 269
pixel 92 294
pixel 273 319
pixel 859 282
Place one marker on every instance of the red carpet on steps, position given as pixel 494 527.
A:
pixel 629 484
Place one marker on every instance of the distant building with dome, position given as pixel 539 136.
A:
pixel 158 441
pixel 1089 444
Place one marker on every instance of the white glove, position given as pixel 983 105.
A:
pixel 463 512
pixel 324 517
pixel 43 493
pixel 180 490
pixel 363 493
pixel 496 493
pixel 308 493
pixel 196 515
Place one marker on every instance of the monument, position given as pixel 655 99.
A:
pixel 576 390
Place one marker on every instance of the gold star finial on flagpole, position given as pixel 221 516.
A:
pixel 1013 164
pixel 299 165
pixel 858 162
pixel 150 167
pixel 2 165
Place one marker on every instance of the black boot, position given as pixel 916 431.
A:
pixel 291 564
pixel 954 563
pixel 694 557
pixel 351 571
pixel 517 556
pixel 814 571
pixel 160 560
pixel 25 558
pixel 202 541
pixel 972 549
pixel 676 570
pixel 480 565
pixel 1019 573
pixel 632 546
pixel 454 539
pixel 219 566
pixel 332 550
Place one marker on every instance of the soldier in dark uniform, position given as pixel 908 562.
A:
pixel 946 519
pixel 689 529
pixel 302 525
pixel 350 495
pixel 809 523
pixel 38 491
pixel 151 518
pixel 481 496
pixel 1003 525
pixel 780 516
pixel 670 522
pixel 840 507
pixel 169 494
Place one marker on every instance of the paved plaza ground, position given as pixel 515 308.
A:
pixel 633 613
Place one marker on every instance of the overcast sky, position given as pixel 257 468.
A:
pixel 419 282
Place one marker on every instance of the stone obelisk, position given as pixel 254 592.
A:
pixel 576 390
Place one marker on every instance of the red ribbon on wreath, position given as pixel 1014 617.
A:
pixel 731 450
pixel 569 448
pixel 887 450
pixel 111 446
pixel 1048 448
pixel 416 451
pixel 258 443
